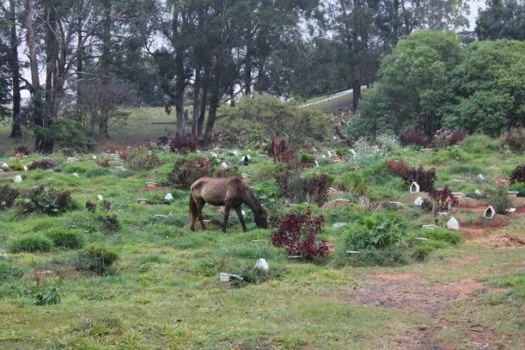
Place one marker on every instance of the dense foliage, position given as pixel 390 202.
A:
pixel 297 234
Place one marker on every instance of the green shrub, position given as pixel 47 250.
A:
pixel 479 143
pixel 227 172
pixel 16 166
pixel 48 296
pixel 438 234
pixel 30 244
pixel 67 239
pixel 142 159
pixel 516 282
pixel 376 231
pixel 8 196
pixel 71 135
pixel 354 183
pixel 499 199
pixel 10 272
pixel 391 256
pixel 187 171
pixel 97 260
pixel 47 201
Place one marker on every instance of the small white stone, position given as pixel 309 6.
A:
pixel 262 264
pixel 354 153
pixel 224 165
pixel 100 198
pixel 453 224
pixel 418 201
pixel 94 157
pixel 339 225
pixel 18 179
pixel 25 167
pixel 243 212
pixel 5 166
pixel 76 175
pixel 511 210
pixel 478 192
pixel 481 177
pixel 168 197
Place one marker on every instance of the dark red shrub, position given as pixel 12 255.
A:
pixel 297 235
pixel 91 207
pixel 183 143
pixel 400 168
pixel 456 137
pixel 43 164
pixel 518 175
pixel 124 154
pixel 103 163
pixel 417 138
pixel 444 199
pixel 424 178
pixel 317 189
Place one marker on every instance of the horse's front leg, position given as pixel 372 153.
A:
pixel 241 218
pixel 226 216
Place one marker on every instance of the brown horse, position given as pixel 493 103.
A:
pixel 278 145
pixel 230 192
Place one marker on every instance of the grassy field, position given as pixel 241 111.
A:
pixel 165 291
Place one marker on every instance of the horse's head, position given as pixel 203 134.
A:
pixel 261 218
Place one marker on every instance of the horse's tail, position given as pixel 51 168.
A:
pixel 194 212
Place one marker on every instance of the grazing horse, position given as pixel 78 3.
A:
pixel 278 145
pixel 230 192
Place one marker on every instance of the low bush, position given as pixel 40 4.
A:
pixel 30 244
pixel 297 234
pixel 414 138
pixel 97 260
pixel 317 189
pixel 499 199
pixel 424 178
pixel 438 234
pixel 8 196
pixel 142 159
pixel 514 139
pixel 353 183
pixel 256 276
pixel 64 238
pixel 227 172
pixel 444 199
pixel 43 164
pixel 183 143
pixel 103 163
pixel 47 201
pixel 516 282
pixel 377 231
pixel 109 222
pixel 10 272
pixel 48 296
pixel 16 166
pixel 187 171
pixel 517 176
pixel 444 138
pixel 391 256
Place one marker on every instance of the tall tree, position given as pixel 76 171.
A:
pixel 501 19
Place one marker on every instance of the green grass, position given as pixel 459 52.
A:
pixel 166 291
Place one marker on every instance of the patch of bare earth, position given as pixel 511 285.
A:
pixel 412 293
pixel 505 241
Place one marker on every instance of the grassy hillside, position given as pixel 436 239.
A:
pixel 165 291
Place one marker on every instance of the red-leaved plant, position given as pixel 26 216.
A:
pixel 424 178
pixel 518 175
pixel 410 137
pixel 444 199
pixel 183 143
pixel 297 235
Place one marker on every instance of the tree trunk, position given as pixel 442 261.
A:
pixel 214 103
pixel 204 102
pixel 80 62
pixel 232 94
pixel 356 94
pixel 196 100
pixel 16 128
pixel 30 32
pixel 105 67
pixel 248 66
pixel 395 23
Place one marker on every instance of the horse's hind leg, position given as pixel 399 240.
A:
pixel 226 216
pixel 238 210
pixel 200 205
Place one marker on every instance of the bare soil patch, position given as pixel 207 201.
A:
pixel 506 241
pixel 411 293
